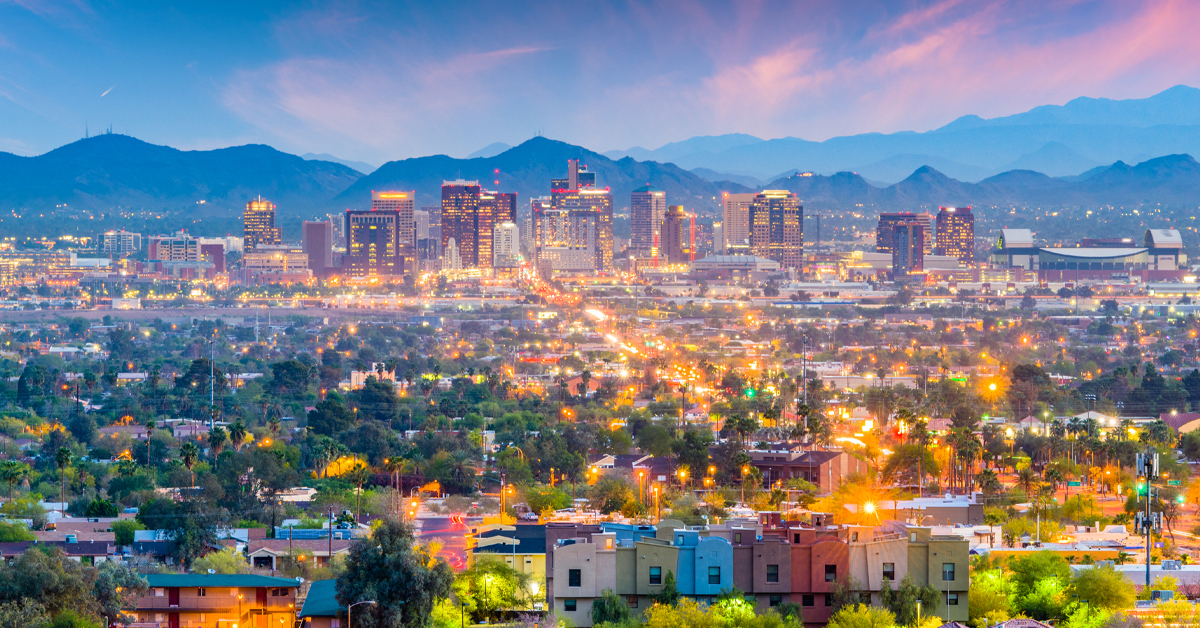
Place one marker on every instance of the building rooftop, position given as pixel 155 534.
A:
pixel 217 580
pixel 322 600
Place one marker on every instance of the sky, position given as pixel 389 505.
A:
pixel 378 81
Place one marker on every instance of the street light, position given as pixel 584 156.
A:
pixel 351 607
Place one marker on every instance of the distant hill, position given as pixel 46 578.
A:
pixel 360 166
pixel 1058 140
pixel 491 150
pixel 1169 179
pixel 527 169
pixel 109 171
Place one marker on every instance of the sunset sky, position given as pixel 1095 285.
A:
pixel 381 81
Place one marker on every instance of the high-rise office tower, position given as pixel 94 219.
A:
pixel 373 246
pixel 403 203
pixel 461 221
pixel 648 208
pixel 537 205
pixel 718 238
pixel 678 237
pixel 421 224
pixel 258 224
pixel 884 236
pixel 956 233
pixel 777 228
pixel 506 245
pixel 735 222
pixel 576 232
pixel 318 246
pixel 908 247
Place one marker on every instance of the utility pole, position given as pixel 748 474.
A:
pixel 1148 522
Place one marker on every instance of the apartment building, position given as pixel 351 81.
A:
pixel 773 562
pixel 202 600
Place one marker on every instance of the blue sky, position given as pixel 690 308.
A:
pixel 376 81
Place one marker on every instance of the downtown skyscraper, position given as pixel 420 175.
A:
pixel 575 233
pixel 777 228
pixel 956 233
pixel 258 224
pixel 379 242
pixel 648 209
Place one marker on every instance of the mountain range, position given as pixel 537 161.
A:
pixel 115 172
pixel 1057 140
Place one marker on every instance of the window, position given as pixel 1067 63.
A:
pixel 631 601
pixel 796 539
pixel 656 575
pixel 279 592
pixel 828 599
pixel 574 578
pixel 335 623
pixel 569 605
pixel 889 571
pixel 679 540
pixel 233 592
pixel 808 600
pixel 608 543
pixel 737 537
pixel 201 592
pixel 714 575
pixel 853 537
pixel 830 573
pixel 772 573
pixel 952 599
pixel 948 572
pixel 159 592
pixel 775 600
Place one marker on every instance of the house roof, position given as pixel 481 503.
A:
pixel 322 600
pixel 318 547
pixel 531 539
pixel 217 580
pixel 85 548
pixel 1178 420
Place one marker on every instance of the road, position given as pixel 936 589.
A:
pixel 450 531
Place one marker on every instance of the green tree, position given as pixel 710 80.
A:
pixel 904 599
pixel 609 608
pixel 227 561
pixel 1028 571
pixel 862 616
pixel 669 594
pixel 12 532
pixel 489 586
pixel 330 417
pixel 124 530
pixel 189 523
pixel 1103 587
pixel 117 589
pixel 399 575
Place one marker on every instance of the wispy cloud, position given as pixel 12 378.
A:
pixel 429 79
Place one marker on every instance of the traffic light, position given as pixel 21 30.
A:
pixel 1180 498
pixel 1141 488
pixel 749 393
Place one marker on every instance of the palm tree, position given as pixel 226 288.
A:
pixel 217 437
pixel 273 425
pixel 237 435
pixel 1028 480
pixel 359 475
pixel 988 482
pixel 189 453
pixel 62 458
pixel 12 472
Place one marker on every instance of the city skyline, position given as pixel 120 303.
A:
pixel 297 78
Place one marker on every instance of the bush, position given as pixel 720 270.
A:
pixel 13 532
